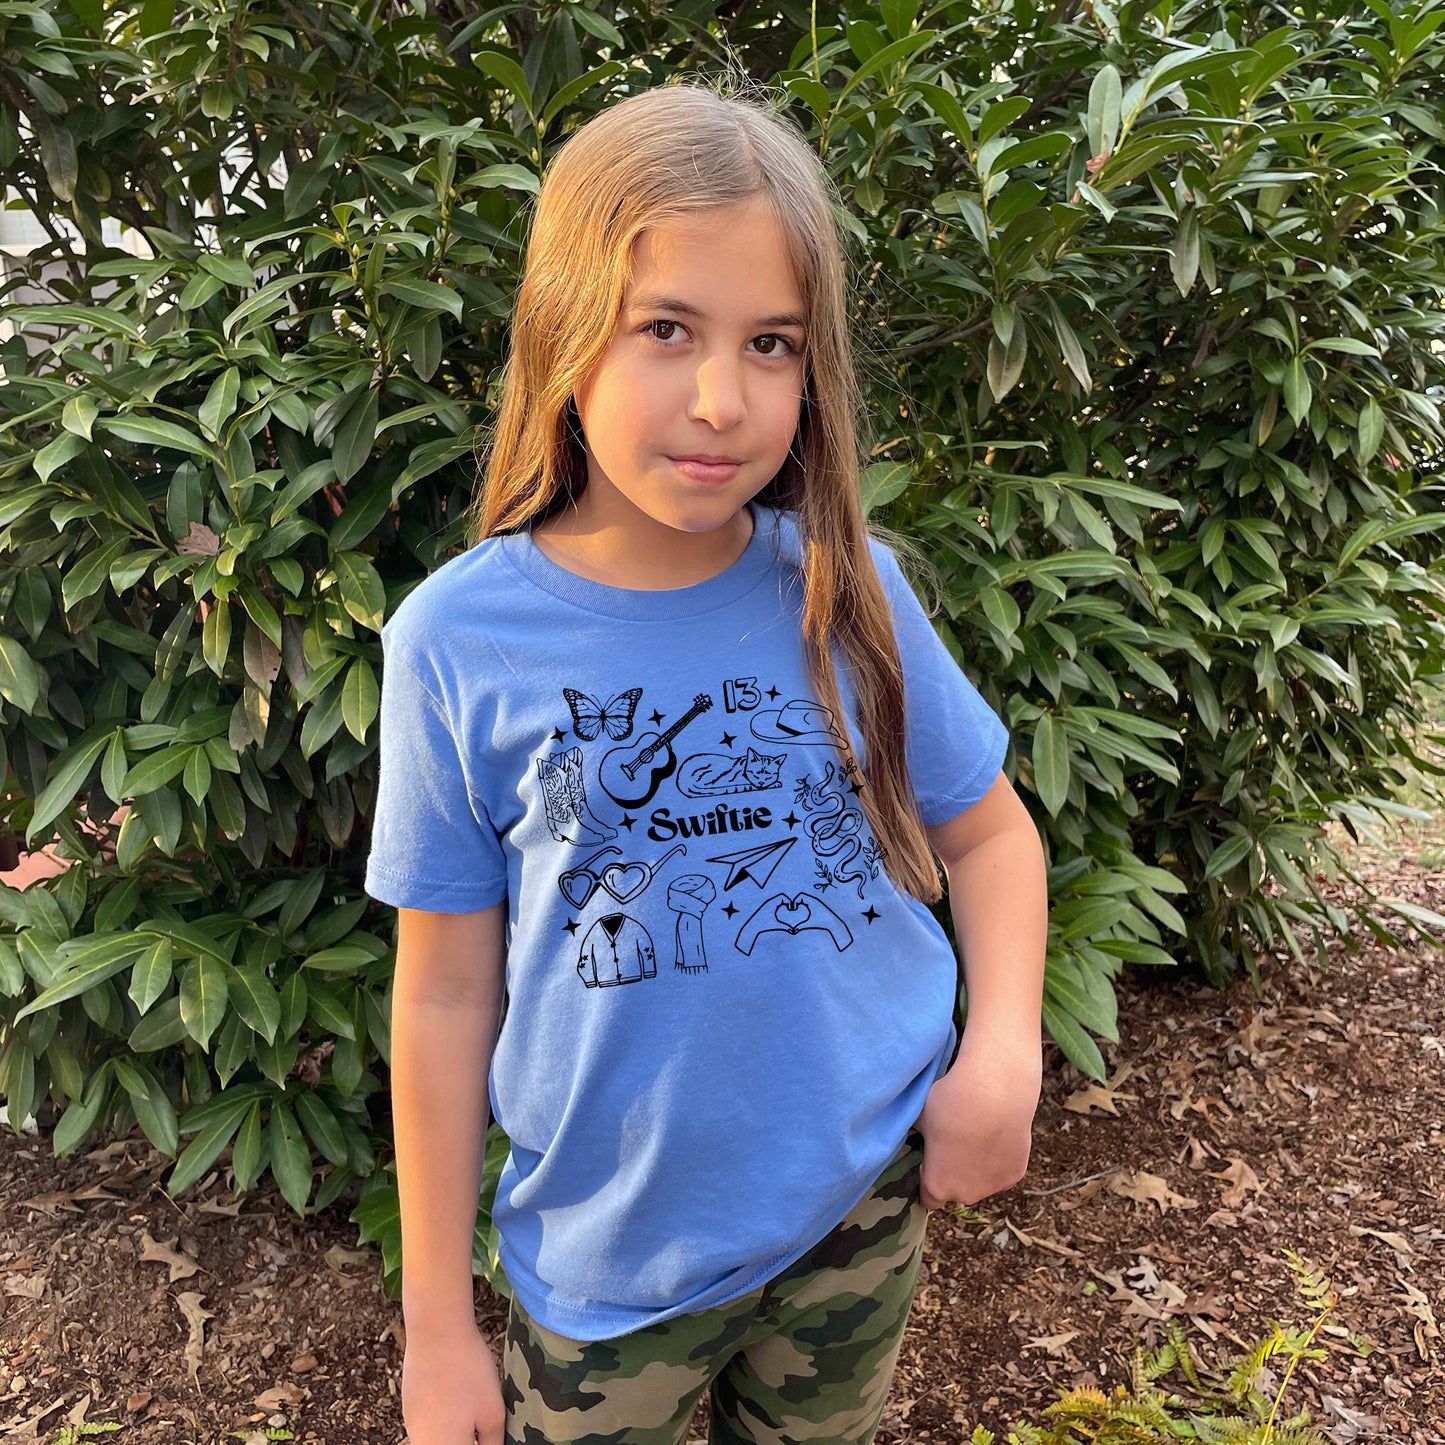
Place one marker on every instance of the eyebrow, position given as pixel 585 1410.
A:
pixel 684 308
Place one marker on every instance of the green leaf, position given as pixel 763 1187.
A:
pixel 1184 253
pixel 425 295
pixel 501 66
pixel 152 431
pixel 362 592
pixel 87 576
pixel 79 1119
pixel 216 635
pixel 246 1156
pixel 344 958
pixel 153 1109
pixel 290 1158
pixel 154 771
pixel 1078 1047
pixel 50 458
pixel 1088 996
pixel 321 1126
pixel 161 1028
pixel 19 677
pixel 1371 429
pixel 151 975
pixel 1232 851
pixel 355 434
pixel 220 401
pixel 1298 393
pixel 1006 363
pixel 70 770
pixel 86 968
pixel 256 1000
pixel 360 699
pixel 205 1148
pixel 1105 99
pixel 898 51
pixel 203 998
pixel 1050 754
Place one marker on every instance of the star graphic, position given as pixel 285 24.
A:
pixel 627 821
pixel 570 926
pixel 657 717
pixel 558 735
pixel 773 694
pixel 728 739
pixel 871 913
pixel 730 910
pixel 791 820
pixel 855 788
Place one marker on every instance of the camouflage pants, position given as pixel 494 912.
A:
pixel 808 1356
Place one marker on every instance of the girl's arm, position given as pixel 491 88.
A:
pixel 446 1002
pixel 976 1119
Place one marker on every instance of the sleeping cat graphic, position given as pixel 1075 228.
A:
pixel 710 775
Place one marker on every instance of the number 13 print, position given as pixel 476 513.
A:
pixel 740 694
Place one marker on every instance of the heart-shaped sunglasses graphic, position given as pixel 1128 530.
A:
pixel 624 881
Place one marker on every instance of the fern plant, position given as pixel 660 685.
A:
pixel 1234 1411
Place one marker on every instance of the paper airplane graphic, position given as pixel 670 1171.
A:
pixel 756 864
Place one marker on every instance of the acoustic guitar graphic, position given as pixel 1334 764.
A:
pixel 631 775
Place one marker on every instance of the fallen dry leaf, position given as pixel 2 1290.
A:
pixel 31 1286
pixel 196 1317
pixel 279 1397
pixel 1419 1308
pixel 1147 1188
pixel 1241 1178
pixel 182 1266
pixel 1053 1344
pixel 1396 1241
pixel 338 1256
pixel 1097 1096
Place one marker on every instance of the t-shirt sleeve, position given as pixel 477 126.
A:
pixel 955 741
pixel 433 845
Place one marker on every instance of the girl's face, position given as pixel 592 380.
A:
pixel 707 360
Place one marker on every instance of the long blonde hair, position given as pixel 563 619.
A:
pixel 644 161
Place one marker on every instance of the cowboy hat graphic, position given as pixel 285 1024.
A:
pixel 797 722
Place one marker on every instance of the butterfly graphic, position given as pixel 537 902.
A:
pixel 589 717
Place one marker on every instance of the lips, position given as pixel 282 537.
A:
pixel 707 471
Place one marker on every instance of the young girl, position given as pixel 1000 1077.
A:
pixel 666 759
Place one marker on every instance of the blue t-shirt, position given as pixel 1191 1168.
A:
pixel 722 1017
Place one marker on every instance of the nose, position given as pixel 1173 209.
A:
pixel 718 398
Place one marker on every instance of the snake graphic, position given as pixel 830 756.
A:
pixel 833 832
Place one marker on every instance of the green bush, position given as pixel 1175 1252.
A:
pixel 1150 303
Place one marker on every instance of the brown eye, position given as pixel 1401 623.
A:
pixel 772 336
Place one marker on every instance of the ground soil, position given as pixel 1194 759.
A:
pixel 1303 1115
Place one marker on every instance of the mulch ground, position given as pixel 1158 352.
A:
pixel 1236 1126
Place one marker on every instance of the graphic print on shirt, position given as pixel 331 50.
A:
pixel 833 833
pixel 630 776
pixel 792 915
pixel 616 949
pixel 589 717
pixel 689 897
pixel 564 796
pixel 753 865
pixel 710 775
pixel 624 881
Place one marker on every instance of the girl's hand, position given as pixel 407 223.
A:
pixel 451 1389
pixel 976 1119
